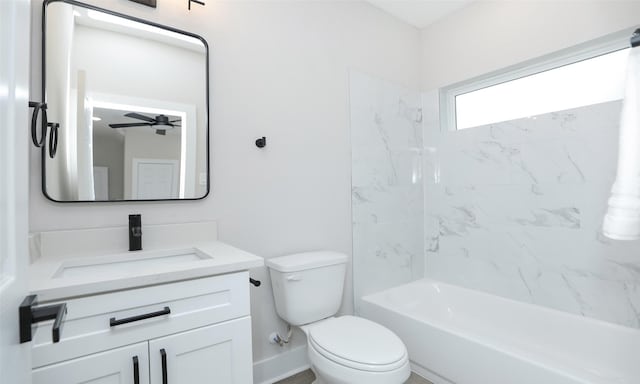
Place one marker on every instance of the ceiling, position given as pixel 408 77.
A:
pixel 419 13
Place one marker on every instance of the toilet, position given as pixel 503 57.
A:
pixel 307 288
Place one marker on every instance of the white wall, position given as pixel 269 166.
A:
pixel 491 35
pixel 278 69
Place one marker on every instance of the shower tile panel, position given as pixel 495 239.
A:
pixel 515 209
pixel 387 186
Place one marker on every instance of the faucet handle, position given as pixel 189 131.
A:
pixel 135 232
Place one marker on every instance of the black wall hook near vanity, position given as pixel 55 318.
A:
pixel 255 282
pixel 261 142
pixel 40 109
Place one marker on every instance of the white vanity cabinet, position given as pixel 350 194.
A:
pixel 189 332
pixel 214 354
pixel 126 365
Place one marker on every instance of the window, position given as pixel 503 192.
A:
pixel 578 77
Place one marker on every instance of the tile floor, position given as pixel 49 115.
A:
pixel 307 377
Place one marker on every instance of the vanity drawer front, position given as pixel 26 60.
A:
pixel 192 304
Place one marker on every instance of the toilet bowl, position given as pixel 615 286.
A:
pixel 354 350
pixel 308 289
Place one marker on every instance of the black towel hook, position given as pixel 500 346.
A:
pixel 53 139
pixel 39 108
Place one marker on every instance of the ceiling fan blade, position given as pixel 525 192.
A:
pixel 138 116
pixel 127 125
pixel 176 120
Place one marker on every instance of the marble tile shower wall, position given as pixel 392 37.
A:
pixel 515 209
pixel 387 187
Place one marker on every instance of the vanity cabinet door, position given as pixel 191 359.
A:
pixel 126 365
pixel 217 354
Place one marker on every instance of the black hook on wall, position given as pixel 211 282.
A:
pixel 37 108
pixel 261 142
pixel 41 109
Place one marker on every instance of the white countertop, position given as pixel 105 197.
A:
pixel 47 281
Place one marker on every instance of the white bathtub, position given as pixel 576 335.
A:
pixel 461 336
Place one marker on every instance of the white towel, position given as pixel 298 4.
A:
pixel 622 220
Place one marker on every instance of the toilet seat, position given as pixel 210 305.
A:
pixel 358 344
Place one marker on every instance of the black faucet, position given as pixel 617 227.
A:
pixel 135 232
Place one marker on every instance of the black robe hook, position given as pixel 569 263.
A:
pixel 261 142
pixel 40 109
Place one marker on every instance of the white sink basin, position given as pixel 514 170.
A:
pixel 129 263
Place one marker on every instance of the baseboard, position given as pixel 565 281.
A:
pixel 429 375
pixel 281 366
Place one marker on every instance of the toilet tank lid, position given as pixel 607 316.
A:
pixel 306 260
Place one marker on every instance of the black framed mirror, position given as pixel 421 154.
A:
pixel 131 98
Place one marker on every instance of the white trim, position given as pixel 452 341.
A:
pixel 281 366
pixel 584 51
pixel 188 131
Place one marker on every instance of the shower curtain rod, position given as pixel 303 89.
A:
pixel 635 38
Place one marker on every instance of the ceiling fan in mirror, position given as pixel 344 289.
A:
pixel 160 123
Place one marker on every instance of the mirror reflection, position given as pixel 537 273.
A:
pixel 131 100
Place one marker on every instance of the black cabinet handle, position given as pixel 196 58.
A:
pixel 136 370
pixel 113 322
pixel 163 355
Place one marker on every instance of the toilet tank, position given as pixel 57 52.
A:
pixel 307 287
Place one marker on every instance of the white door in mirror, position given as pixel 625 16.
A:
pixel 154 179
